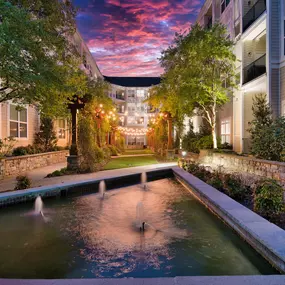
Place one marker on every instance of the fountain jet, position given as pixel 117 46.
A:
pixel 102 189
pixel 144 180
pixel 140 216
pixel 39 205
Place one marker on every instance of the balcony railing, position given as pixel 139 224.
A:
pixel 254 70
pixel 254 13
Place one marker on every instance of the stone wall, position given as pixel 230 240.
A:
pixel 20 164
pixel 242 164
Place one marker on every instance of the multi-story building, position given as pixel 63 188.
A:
pixel 23 124
pixel 257 28
pixel 129 94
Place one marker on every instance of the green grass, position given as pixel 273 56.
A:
pixel 137 151
pixel 124 162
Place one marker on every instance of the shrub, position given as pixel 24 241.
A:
pixel 25 150
pixel 234 187
pixel 6 146
pixel 57 173
pixel 23 182
pixel 216 181
pixel 268 198
pixel 113 150
pixel 46 139
pixel 107 152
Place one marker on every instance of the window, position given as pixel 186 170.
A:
pixel 140 93
pixel 226 131
pixel 224 4
pixel 61 129
pixel 18 122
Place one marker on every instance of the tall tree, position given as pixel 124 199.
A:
pixel 35 50
pixel 199 74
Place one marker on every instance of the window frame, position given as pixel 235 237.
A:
pixel 19 122
pixel 226 132
pixel 59 129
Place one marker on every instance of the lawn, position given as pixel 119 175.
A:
pixel 124 162
pixel 137 151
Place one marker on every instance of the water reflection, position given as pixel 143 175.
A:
pixel 91 237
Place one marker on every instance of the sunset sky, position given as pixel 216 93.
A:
pixel 127 36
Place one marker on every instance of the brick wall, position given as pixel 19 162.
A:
pixel 20 164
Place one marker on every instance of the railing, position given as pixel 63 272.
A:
pixel 255 69
pixel 254 13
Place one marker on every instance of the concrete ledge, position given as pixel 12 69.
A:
pixel 267 238
pixel 80 187
pixel 188 280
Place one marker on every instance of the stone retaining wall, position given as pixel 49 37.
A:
pixel 241 164
pixel 21 164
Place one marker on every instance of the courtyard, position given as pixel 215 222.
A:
pixel 142 143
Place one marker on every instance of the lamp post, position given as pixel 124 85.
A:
pixel 72 159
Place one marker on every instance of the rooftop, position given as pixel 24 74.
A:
pixel 133 81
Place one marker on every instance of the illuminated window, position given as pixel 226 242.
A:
pixel 18 122
pixel 140 93
pixel 61 129
pixel 226 131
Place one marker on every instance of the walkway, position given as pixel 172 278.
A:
pixel 38 175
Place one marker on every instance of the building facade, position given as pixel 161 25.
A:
pixel 257 28
pixel 23 125
pixel 129 94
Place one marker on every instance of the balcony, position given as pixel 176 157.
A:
pixel 255 69
pixel 253 14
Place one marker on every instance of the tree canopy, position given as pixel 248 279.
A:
pixel 199 74
pixel 38 63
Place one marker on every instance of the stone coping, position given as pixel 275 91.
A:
pixel 241 157
pixel 35 155
pixel 267 238
pixel 19 196
pixel 187 280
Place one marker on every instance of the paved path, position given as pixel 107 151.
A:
pixel 38 175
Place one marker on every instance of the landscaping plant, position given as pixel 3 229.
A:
pixel 267 134
pixel 45 139
pixel 268 198
pixel 6 146
pixel 23 182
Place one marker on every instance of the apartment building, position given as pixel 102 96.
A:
pixel 23 124
pixel 129 94
pixel 257 28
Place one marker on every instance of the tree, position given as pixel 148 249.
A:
pixel 35 51
pixel 267 135
pixel 199 74
pixel 46 138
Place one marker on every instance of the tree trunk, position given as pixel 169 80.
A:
pixel 214 133
pixel 215 143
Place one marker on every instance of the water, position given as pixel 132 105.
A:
pixel 39 205
pixel 144 180
pixel 88 238
pixel 102 189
